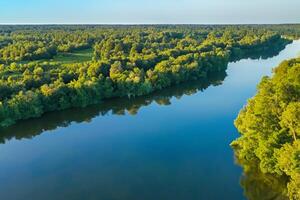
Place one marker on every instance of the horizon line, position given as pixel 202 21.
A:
pixel 54 23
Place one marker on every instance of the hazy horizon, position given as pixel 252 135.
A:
pixel 146 24
pixel 133 12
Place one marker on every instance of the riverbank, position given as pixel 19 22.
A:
pixel 51 87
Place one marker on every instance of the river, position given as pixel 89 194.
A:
pixel 173 144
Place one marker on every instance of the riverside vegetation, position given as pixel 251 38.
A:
pixel 270 128
pixel 48 68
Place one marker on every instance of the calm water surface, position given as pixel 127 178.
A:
pixel 170 145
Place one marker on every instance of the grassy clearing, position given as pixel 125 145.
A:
pixel 68 58
pixel 74 57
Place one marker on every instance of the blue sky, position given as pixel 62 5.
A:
pixel 149 11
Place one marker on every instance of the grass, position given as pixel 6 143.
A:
pixel 74 57
pixel 78 56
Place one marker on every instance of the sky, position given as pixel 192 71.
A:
pixel 149 11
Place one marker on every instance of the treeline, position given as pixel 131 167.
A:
pixel 116 106
pixel 291 31
pixel 128 61
pixel 29 45
pixel 270 128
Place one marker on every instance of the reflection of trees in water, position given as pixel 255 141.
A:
pixel 260 186
pixel 256 184
pixel 263 52
pixel 119 106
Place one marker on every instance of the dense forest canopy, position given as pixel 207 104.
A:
pixel 47 68
pixel 270 128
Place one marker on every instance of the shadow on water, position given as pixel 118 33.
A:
pixel 263 52
pixel 121 106
pixel 258 185
pixel 118 106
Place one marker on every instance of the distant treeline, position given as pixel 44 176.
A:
pixel 127 61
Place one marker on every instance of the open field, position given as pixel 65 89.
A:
pixel 74 57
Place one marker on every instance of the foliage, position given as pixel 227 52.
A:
pixel 270 126
pixel 47 68
pixel 116 106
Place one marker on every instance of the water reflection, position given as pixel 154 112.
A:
pixel 258 185
pixel 176 152
pixel 261 53
pixel 120 106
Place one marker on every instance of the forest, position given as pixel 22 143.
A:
pixel 120 69
pixel 270 129
pixel 116 106
pixel 48 68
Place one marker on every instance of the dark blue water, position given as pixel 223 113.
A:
pixel 171 145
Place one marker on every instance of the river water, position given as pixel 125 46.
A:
pixel 172 145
